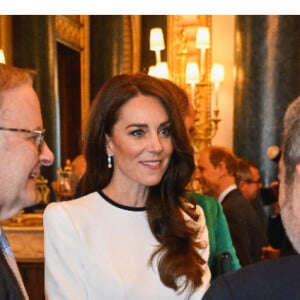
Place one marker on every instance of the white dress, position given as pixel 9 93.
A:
pixel 97 249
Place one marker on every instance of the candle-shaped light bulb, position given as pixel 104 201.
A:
pixel 2 57
pixel 192 73
pixel 192 78
pixel 217 76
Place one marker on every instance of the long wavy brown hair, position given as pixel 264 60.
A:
pixel 178 252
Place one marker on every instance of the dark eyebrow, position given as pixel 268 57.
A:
pixel 165 123
pixel 142 125
pixel 139 125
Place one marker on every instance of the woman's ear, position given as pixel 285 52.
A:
pixel 109 146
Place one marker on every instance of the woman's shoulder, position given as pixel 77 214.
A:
pixel 75 204
pixel 77 211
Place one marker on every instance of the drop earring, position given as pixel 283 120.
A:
pixel 109 161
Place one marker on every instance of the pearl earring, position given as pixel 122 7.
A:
pixel 109 161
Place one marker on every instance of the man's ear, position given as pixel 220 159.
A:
pixel 241 184
pixel 296 191
pixel 222 168
pixel 298 170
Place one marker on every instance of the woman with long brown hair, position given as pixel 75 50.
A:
pixel 132 234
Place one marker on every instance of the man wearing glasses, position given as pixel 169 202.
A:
pixel 22 153
pixel 249 183
pixel 248 180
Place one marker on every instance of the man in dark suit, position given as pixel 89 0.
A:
pixel 248 181
pixel 277 278
pixel 216 167
pixel 22 153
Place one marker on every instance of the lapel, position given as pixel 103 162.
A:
pixel 229 195
pixel 9 287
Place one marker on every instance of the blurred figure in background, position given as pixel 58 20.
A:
pixel 276 232
pixel 249 183
pixel 216 172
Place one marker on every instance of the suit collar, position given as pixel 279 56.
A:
pixel 226 192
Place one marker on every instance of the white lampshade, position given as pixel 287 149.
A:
pixel 192 73
pixel 156 39
pixel 217 73
pixel 152 71
pixel 203 38
pixel 2 57
pixel 160 70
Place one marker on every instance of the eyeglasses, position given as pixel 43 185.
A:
pixel 37 135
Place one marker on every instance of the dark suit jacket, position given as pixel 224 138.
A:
pixel 276 279
pixel 278 238
pixel 9 287
pixel 248 236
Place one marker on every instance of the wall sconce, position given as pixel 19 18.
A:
pixel 2 56
pixel 206 125
pixel 190 74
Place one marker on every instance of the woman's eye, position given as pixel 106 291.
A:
pixel 138 132
pixel 166 131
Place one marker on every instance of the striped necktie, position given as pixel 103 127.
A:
pixel 10 258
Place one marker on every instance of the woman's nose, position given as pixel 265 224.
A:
pixel 155 144
pixel 46 155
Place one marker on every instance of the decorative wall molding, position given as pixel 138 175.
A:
pixel 26 236
pixel 68 31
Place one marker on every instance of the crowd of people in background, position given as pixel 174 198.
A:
pixel 274 278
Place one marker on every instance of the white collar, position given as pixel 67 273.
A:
pixel 226 192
